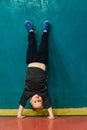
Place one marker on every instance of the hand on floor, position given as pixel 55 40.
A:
pixel 49 117
pixel 20 117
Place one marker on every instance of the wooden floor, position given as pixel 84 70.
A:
pixel 42 123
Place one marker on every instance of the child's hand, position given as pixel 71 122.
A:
pixel 21 117
pixel 49 117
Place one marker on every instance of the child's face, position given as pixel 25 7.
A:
pixel 36 101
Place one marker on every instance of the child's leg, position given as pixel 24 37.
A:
pixel 32 48
pixel 43 49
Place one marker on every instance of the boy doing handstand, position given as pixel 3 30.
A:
pixel 35 81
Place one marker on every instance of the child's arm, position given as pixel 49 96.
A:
pixel 51 115
pixel 20 111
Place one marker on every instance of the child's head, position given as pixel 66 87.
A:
pixel 36 102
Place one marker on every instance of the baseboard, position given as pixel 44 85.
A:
pixel 44 112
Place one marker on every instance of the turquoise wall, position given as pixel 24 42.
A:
pixel 67 69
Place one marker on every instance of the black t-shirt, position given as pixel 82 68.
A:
pixel 35 83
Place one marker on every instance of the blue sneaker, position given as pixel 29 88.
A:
pixel 28 25
pixel 46 26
